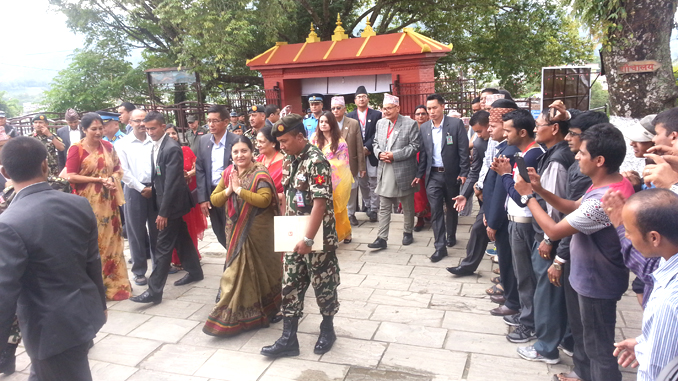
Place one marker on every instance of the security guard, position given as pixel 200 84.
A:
pixel 307 180
pixel 315 100
pixel 257 115
pixel 52 143
pixel 235 123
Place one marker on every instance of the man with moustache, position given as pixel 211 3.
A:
pixel 315 101
pixel 258 119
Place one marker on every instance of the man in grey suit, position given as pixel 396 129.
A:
pixel 213 156
pixel 50 269
pixel 396 144
pixel 69 134
pixel 444 160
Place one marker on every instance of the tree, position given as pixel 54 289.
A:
pixel 95 80
pixel 599 97
pixel 634 30
pixel 10 106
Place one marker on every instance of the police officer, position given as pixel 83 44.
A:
pixel 195 132
pixel 52 142
pixel 308 191
pixel 235 123
pixel 257 115
pixel 311 122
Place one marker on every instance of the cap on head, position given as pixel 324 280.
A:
pixel 338 101
pixel 315 97
pixel 288 123
pixel 391 100
pixel 361 90
pixel 233 114
pixel 641 131
pixel 257 108
pixel 71 115
pixel 191 119
pixel 107 116
pixel 38 117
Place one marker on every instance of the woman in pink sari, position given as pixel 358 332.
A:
pixel 271 157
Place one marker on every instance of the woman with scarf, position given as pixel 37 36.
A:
pixel 250 293
pixel 93 169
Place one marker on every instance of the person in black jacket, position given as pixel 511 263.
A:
pixel 367 118
pixel 173 199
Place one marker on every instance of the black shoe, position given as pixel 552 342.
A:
pixel 407 239
pixel 438 255
pixel 419 225
pixel 522 334
pixel 8 359
pixel 353 220
pixel 327 336
pixel 147 297
pixel 451 242
pixel 378 243
pixel 372 215
pixel 287 344
pixel 140 280
pixel 188 278
pixel 459 271
pixel 276 318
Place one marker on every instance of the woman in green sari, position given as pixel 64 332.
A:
pixel 250 293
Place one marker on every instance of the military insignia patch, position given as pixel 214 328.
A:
pixel 320 180
pixel 281 128
pixel 254 108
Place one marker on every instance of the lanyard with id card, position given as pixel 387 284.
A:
pixel 157 170
pixel 448 139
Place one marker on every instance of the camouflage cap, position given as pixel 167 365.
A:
pixel 288 123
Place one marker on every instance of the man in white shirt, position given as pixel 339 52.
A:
pixel 134 151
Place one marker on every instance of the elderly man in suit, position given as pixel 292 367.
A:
pixel 213 156
pixel 69 134
pixel 350 131
pixel 444 160
pixel 172 200
pixel 396 144
pixel 50 269
pixel 367 119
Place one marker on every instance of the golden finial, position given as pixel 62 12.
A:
pixel 368 31
pixel 313 36
pixel 339 33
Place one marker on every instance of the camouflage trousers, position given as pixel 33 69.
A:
pixel 319 269
pixel 14 333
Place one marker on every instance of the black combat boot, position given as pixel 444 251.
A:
pixel 327 336
pixel 287 344
pixel 8 359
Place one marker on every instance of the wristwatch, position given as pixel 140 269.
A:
pixel 526 198
pixel 557 266
pixel 547 241
pixel 308 242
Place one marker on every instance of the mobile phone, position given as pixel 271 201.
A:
pixel 522 168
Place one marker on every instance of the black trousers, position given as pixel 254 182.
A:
pixel 508 275
pixel 174 235
pixel 598 317
pixel 218 220
pixel 70 365
pixel 438 195
pixel 477 243
pixel 582 363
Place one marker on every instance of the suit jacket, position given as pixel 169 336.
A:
pixel 171 195
pixel 455 156
pixel 354 139
pixel 203 163
pixel 50 271
pixel 494 193
pixel 404 144
pixel 370 129
pixel 479 148
pixel 64 134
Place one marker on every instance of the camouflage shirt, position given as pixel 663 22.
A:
pixel 52 153
pixel 309 175
pixel 252 135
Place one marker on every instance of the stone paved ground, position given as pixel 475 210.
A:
pixel 401 318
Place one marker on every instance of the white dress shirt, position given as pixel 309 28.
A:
pixel 74 135
pixel 156 150
pixel 218 152
pixel 437 136
pixel 135 160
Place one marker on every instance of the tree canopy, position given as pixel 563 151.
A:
pixel 10 106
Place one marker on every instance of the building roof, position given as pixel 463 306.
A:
pixel 344 49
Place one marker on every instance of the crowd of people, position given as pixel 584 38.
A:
pixel 568 227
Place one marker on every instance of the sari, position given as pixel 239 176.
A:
pixel 422 209
pixel 342 180
pixel 251 285
pixel 105 203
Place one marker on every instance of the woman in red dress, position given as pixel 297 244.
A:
pixel 271 157
pixel 196 221
pixel 421 207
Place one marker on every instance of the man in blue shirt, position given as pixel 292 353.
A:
pixel 112 131
pixel 315 100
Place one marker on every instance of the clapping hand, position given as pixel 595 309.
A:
pixel 663 173
pixel 501 165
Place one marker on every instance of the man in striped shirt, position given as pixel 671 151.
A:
pixel 650 218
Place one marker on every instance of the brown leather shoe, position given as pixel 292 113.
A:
pixel 499 299
pixel 503 311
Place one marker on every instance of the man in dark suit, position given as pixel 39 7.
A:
pixel 173 199
pixel 444 159
pixel 367 118
pixel 50 269
pixel 69 134
pixel 213 156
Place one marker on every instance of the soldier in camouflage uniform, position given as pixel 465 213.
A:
pixel 257 115
pixel 51 141
pixel 307 180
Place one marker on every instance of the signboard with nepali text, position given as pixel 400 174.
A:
pixel 635 67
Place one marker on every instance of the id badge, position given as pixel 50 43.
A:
pixel 299 199
pixel 449 140
pixel 157 170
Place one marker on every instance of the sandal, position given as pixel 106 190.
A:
pixel 496 280
pixel 348 240
pixel 572 376
pixel 495 290
pixel 496 271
